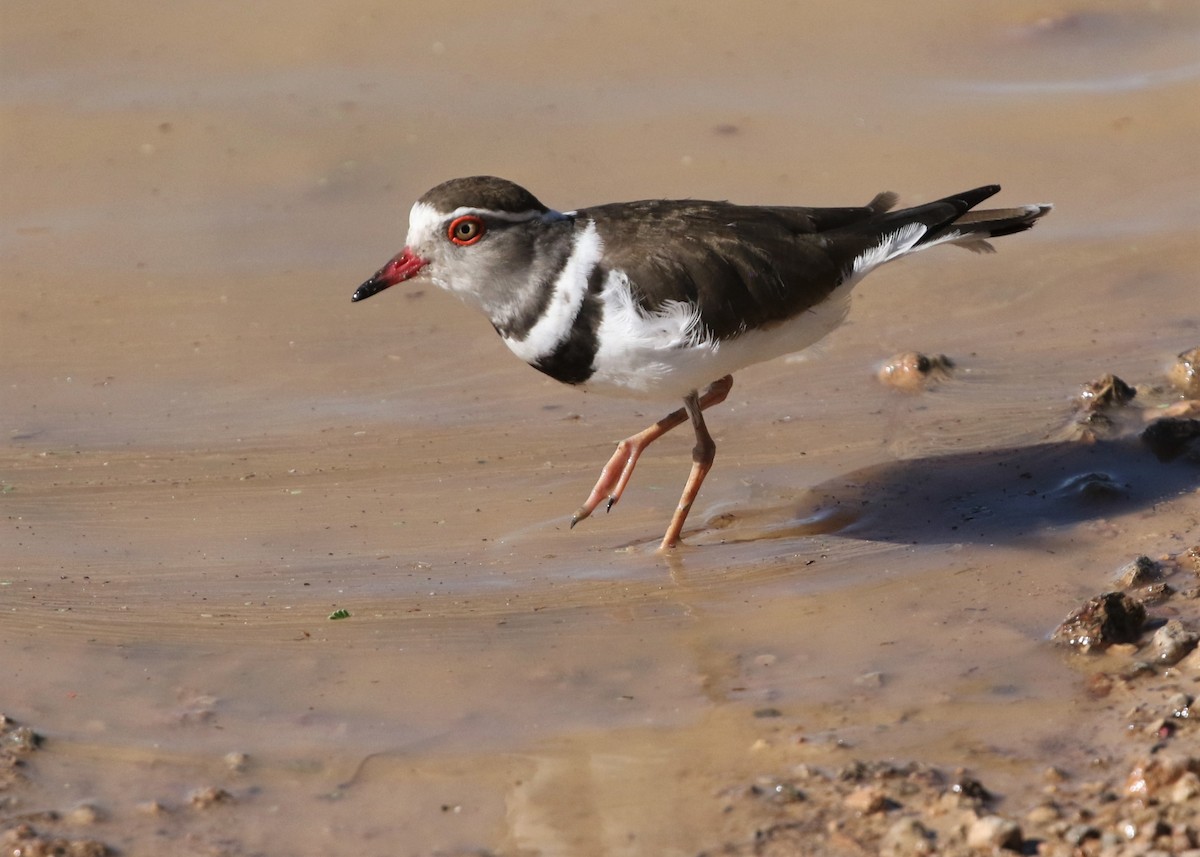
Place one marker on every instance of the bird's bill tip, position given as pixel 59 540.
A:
pixel 403 266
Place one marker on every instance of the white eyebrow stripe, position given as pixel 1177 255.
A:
pixel 424 219
pixel 510 216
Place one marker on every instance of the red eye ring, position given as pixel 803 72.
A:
pixel 466 230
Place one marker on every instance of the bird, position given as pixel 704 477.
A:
pixel 666 298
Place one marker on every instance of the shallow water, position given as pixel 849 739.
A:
pixel 208 449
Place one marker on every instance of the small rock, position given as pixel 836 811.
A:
pixel 872 680
pixel 1090 488
pixel 1099 685
pixel 1185 373
pixel 1140 571
pixel 1077 834
pixel 1106 619
pixel 866 800
pixel 913 371
pixel 1150 776
pixel 906 838
pixel 1172 437
pixel 968 787
pixel 236 762
pixel 992 832
pixel 151 807
pixel 1180 706
pixel 1053 774
pixel 1186 789
pixel 1043 814
pixel 209 797
pixel 84 814
pixel 24 841
pixel 1171 642
pixel 1107 392
pixel 1155 593
pixel 22 739
pixel 777 791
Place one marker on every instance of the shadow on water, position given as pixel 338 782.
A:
pixel 985 496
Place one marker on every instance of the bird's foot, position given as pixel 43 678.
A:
pixel 614 477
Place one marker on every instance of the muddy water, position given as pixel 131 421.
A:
pixel 207 449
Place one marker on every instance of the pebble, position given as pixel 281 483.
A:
pixel 151 807
pixel 1043 814
pixel 1186 788
pixel 85 814
pixel 913 371
pixel 906 838
pixel 1172 642
pixel 236 762
pixel 1140 571
pixel 208 797
pixel 1149 777
pixel 994 831
pixel 866 800
pixel 871 680
pixel 1110 618
pixel 1106 392
pixel 1172 437
pixel 1185 373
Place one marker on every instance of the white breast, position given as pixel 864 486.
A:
pixel 570 288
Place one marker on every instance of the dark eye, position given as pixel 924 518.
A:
pixel 466 229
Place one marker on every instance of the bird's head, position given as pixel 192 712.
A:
pixel 478 237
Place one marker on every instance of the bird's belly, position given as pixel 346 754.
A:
pixel 642 366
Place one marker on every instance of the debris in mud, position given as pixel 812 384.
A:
pixel 1101 411
pixel 1172 437
pixel 1101 622
pixel 1106 392
pixel 1172 642
pixel 16 742
pixel 1097 406
pixel 18 836
pixel 1140 571
pixel 1186 408
pixel 208 797
pixel 912 371
pixel 1185 373
pixel 911 810
pixel 24 841
pixel 1143 802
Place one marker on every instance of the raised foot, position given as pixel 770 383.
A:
pixel 614 477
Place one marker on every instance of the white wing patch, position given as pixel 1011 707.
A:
pixel 641 350
pixel 891 246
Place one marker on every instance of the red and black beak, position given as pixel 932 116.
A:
pixel 403 266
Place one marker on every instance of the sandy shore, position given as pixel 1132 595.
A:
pixel 208 451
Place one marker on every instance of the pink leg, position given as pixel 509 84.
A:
pixel 702 459
pixel 616 474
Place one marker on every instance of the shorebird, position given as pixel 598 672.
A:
pixel 665 298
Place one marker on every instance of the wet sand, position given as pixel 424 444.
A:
pixel 208 450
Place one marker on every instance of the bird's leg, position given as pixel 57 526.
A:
pixel 702 458
pixel 616 474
